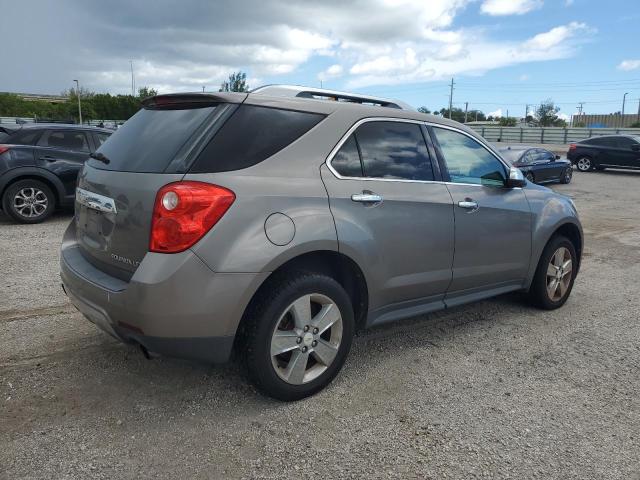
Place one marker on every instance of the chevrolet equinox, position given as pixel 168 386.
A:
pixel 274 224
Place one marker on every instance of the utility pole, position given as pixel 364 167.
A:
pixel 202 88
pixel 638 110
pixel 466 107
pixel 133 88
pixel 320 83
pixel 79 107
pixel 451 98
pixel 526 112
pixel 624 98
pixel 579 107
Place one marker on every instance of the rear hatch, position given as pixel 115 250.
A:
pixel 116 195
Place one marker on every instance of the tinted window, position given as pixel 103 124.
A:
pixel 394 150
pixel 100 138
pixel 512 155
pixel 604 142
pixel 25 137
pixel 625 142
pixel 65 140
pixel 468 161
pixel 347 161
pixel 539 155
pixel 252 135
pixel 149 140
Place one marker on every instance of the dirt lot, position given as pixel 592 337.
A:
pixel 496 389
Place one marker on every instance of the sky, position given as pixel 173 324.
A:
pixel 502 54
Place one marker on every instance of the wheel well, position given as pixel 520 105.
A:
pixel 572 232
pixel 336 265
pixel 44 180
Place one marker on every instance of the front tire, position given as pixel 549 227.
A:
pixel 530 178
pixel 28 201
pixel 584 164
pixel 567 175
pixel 556 272
pixel 297 335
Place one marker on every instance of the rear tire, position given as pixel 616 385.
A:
pixel 291 317
pixel 555 274
pixel 584 164
pixel 28 201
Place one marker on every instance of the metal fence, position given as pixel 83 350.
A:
pixel 21 120
pixel 547 135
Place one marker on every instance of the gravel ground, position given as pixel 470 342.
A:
pixel 491 390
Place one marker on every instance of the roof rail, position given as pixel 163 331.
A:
pixel 324 94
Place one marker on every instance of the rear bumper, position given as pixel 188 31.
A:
pixel 174 305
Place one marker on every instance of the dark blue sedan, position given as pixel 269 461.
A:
pixel 537 164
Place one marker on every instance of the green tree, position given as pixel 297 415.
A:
pixel 547 114
pixel 424 110
pixel 508 121
pixel 237 83
pixel 146 92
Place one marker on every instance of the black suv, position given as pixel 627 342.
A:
pixel 39 165
pixel 616 151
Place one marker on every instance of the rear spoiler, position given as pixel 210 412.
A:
pixel 192 100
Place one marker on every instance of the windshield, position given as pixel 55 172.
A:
pixel 510 155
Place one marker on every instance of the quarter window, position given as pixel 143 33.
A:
pixel 468 161
pixel 347 161
pixel 100 138
pixel 395 150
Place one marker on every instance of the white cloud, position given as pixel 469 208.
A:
pixel 401 41
pixel 568 3
pixel 495 114
pixel 475 56
pixel 628 65
pixel 524 77
pixel 334 71
pixel 509 7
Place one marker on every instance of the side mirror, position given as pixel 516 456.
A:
pixel 516 178
pixel 557 157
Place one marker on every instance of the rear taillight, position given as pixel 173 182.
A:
pixel 572 146
pixel 184 212
pixel 4 148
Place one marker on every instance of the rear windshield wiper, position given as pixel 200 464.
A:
pixel 100 157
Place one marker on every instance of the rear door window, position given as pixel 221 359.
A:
pixel 149 140
pixel 72 140
pixel 251 135
pixel 395 150
pixel 28 136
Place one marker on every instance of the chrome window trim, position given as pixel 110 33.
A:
pixel 362 121
pixel 95 201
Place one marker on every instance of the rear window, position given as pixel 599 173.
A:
pixel 27 136
pixel 252 135
pixel 149 140
pixel 510 155
pixel 65 140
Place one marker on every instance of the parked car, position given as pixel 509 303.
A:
pixel 39 165
pixel 598 153
pixel 277 222
pixel 538 165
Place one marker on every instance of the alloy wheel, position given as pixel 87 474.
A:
pixel 30 202
pixel 306 339
pixel 559 274
pixel 584 164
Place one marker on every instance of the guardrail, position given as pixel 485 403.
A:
pixel 554 135
pixel 21 120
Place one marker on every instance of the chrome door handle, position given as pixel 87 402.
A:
pixel 468 204
pixel 366 197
